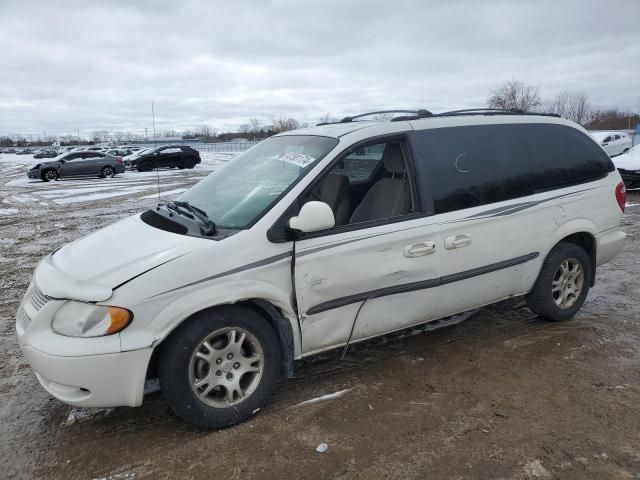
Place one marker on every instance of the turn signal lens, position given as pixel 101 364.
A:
pixel 119 319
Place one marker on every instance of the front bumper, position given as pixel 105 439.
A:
pixel 110 380
pixel 35 174
pixel 85 372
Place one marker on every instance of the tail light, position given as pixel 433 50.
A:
pixel 621 195
pixel 119 160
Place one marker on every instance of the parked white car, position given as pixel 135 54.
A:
pixel 614 143
pixel 315 239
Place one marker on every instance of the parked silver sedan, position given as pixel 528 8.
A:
pixel 78 164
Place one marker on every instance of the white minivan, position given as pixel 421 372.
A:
pixel 317 238
pixel 614 143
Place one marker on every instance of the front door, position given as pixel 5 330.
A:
pixel 379 264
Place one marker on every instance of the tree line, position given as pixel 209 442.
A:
pixel 574 106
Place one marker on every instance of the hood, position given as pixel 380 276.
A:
pixel 115 254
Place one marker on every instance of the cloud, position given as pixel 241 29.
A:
pixel 83 65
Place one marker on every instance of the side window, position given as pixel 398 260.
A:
pixel 172 150
pixel 361 164
pixel 93 155
pixel 468 166
pixel 616 137
pixel 606 140
pixel 563 156
pixel 372 183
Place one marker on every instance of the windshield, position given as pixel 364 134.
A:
pixel 237 194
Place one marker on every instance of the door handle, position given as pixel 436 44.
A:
pixel 457 241
pixel 419 249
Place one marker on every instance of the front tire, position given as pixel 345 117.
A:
pixel 49 175
pixel 563 283
pixel 220 367
pixel 145 166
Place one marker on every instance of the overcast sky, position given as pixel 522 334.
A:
pixel 98 65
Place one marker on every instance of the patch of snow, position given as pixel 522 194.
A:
pixel 323 447
pixel 8 211
pixel 535 469
pixel 168 192
pixel 329 396
pixel 78 415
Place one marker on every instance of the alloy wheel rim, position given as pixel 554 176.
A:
pixel 567 283
pixel 108 172
pixel 51 175
pixel 226 367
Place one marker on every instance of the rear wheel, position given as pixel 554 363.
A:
pixel 220 367
pixel 50 174
pixel 563 283
pixel 189 163
pixel 107 172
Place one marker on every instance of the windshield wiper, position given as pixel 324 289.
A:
pixel 207 226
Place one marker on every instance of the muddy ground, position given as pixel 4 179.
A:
pixel 502 395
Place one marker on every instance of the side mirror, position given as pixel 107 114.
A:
pixel 313 217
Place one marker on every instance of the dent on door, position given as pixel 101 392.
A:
pixel 391 277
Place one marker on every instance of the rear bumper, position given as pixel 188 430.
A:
pixel 109 380
pixel 119 168
pixel 608 245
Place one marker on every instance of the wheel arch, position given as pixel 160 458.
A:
pixel 271 313
pixel 581 232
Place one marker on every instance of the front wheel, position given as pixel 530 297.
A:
pixel 145 166
pixel 563 283
pixel 50 175
pixel 220 367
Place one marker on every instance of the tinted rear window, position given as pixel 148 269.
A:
pixel 463 167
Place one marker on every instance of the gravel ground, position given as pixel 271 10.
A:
pixel 501 395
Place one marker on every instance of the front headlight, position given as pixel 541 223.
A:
pixel 79 319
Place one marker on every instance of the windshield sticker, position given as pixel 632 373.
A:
pixel 299 159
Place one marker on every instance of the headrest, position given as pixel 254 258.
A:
pixel 392 158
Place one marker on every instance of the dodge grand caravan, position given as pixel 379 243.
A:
pixel 315 239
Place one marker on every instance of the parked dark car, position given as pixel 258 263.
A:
pixel 26 151
pixel 46 154
pixel 170 156
pixel 77 164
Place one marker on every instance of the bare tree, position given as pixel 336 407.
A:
pixel 515 94
pixel 255 126
pixel 574 107
pixel 245 128
pixel 327 118
pixel 207 132
pixel 284 124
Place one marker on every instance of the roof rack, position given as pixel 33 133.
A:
pixel 475 111
pixel 423 113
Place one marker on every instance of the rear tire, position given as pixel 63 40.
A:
pixel 201 379
pixel 563 283
pixel 108 172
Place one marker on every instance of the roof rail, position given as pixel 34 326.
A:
pixel 380 112
pixel 476 111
